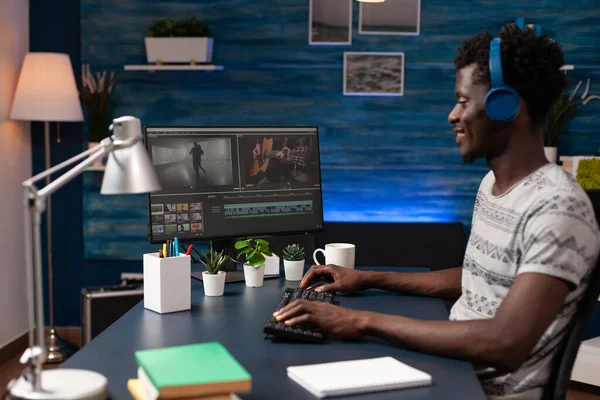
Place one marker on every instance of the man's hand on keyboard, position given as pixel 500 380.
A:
pixel 339 321
pixel 346 280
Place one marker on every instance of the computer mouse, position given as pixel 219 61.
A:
pixel 319 281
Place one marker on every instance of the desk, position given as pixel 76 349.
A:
pixel 237 319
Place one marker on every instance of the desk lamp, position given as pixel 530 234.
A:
pixel 128 170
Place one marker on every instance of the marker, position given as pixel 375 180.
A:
pixel 160 254
pixel 169 248
pixel 189 250
pixel 176 247
pixel 164 250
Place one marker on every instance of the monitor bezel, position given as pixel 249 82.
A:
pixel 230 237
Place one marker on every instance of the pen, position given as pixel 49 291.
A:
pixel 164 250
pixel 169 248
pixel 189 250
pixel 176 247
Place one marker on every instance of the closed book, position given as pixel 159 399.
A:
pixel 358 376
pixel 190 371
pixel 138 392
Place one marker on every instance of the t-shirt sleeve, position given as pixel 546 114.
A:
pixel 560 241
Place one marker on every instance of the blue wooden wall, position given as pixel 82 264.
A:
pixel 383 158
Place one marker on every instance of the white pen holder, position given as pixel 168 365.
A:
pixel 167 283
pixel 272 265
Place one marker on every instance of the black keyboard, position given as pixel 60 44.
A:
pixel 302 332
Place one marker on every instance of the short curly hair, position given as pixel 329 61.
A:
pixel 530 65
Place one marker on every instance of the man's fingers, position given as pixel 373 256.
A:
pixel 312 273
pixel 302 319
pixel 332 287
pixel 291 310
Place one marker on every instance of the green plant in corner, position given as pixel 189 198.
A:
pixel 254 251
pixel 213 261
pixel 293 252
pixel 562 112
pixel 588 173
pixel 188 27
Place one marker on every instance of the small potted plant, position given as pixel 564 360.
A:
pixel 254 251
pixel 293 262
pixel 183 41
pixel 560 114
pixel 99 103
pixel 213 278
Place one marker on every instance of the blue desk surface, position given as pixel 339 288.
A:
pixel 237 319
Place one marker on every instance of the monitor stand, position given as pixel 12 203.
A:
pixel 233 274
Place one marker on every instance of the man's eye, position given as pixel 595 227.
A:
pixel 463 103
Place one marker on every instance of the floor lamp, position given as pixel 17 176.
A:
pixel 47 92
pixel 128 170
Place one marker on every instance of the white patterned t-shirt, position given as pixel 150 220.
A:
pixel 544 224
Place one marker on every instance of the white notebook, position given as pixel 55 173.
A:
pixel 359 376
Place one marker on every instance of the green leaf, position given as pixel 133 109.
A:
pixel 257 260
pixel 240 244
pixel 268 253
pixel 262 242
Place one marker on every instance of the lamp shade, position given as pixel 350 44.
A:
pixel 129 169
pixel 46 90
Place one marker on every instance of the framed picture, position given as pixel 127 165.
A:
pixel 373 74
pixel 392 17
pixel 330 22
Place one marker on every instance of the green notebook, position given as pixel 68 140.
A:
pixel 193 370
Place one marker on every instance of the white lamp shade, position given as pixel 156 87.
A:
pixel 129 169
pixel 46 90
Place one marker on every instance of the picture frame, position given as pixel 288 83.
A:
pixel 330 22
pixel 373 74
pixel 392 17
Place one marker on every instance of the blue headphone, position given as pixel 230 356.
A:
pixel 501 102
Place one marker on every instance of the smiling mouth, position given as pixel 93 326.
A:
pixel 460 136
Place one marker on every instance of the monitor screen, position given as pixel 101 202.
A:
pixel 222 182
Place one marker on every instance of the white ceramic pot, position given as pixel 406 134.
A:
pixel 179 49
pixel 214 285
pixel 293 270
pixel 254 276
pixel 550 153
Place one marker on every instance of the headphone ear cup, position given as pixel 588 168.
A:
pixel 502 103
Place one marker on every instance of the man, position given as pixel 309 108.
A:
pixel 533 244
pixel 290 160
pixel 197 153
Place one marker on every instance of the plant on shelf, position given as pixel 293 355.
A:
pixel 563 111
pixel 98 101
pixel 293 252
pixel 213 261
pixel 254 251
pixel 188 27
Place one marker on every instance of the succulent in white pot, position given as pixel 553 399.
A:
pixel 184 41
pixel 293 262
pixel 213 278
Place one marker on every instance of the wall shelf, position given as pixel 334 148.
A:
pixel 182 67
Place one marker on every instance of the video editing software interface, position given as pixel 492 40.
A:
pixel 232 182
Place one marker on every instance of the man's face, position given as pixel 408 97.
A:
pixel 477 135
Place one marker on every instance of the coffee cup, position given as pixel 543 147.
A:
pixel 341 254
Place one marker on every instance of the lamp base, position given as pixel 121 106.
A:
pixel 61 384
pixel 58 348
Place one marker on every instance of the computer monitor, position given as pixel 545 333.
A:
pixel 231 182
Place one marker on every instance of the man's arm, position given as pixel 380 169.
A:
pixel 503 342
pixel 444 283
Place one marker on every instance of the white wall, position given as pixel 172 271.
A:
pixel 15 167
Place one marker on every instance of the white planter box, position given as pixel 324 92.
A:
pixel 179 50
pixel 167 283
pixel 272 265
pixel 214 285
pixel 254 276
pixel 294 270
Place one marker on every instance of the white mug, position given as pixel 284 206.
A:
pixel 341 254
